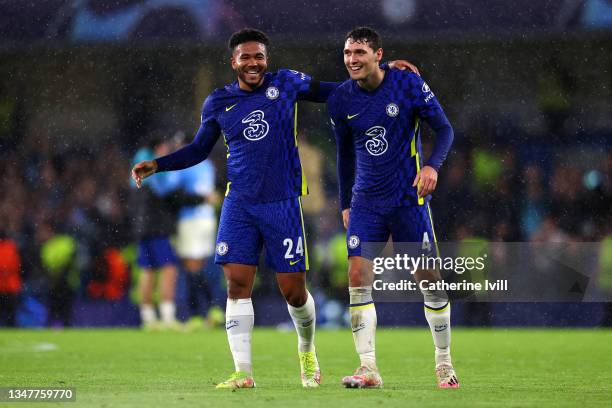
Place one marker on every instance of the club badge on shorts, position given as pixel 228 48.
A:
pixel 353 241
pixel 222 248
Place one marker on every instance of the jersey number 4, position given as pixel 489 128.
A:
pixel 426 243
pixel 258 128
pixel 299 248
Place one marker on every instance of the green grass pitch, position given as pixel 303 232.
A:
pixel 130 368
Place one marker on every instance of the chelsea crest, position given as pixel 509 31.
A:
pixel 392 110
pixel 272 93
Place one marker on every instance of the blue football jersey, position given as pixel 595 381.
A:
pixel 382 130
pixel 260 132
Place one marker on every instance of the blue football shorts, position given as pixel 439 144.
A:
pixel 370 229
pixel 246 228
pixel 155 252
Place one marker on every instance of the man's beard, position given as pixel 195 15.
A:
pixel 243 75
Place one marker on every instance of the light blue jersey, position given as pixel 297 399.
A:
pixel 197 180
pixel 161 184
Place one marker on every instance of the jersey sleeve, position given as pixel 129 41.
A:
pixel 201 146
pixel 345 153
pixel 428 108
pixel 307 88
pixel 422 97
pixel 295 81
pixel 319 91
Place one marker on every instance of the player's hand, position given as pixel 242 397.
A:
pixel 345 217
pixel 426 181
pixel 403 65
pixel 143 170
pixel 213 198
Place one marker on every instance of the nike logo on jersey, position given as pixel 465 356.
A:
pixel 294 262
pixel 349 117
pixel 229 108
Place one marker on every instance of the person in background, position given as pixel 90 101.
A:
pixel 10 281
pixel 196 232
pixel 60 260
pixel 153 223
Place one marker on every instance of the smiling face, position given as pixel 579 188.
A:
pixel 250 62
pixel 360 59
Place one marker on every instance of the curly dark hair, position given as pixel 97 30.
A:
pixel 246 35
pixel 367 35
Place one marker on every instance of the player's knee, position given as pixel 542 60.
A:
pixel 430 275
pixel 355 276
pixel 237 289
pixel 434 297
pixel 194 265
pixel 296 297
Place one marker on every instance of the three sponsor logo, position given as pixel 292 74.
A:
pixel 377 145
pixel 258 127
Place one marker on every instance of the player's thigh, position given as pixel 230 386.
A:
pixel 293 287
pixel 238 239
pixel 282 227
pixel 412 229
pixel 240 279
pixel 146 279
pixel 367 233
pixel 360 271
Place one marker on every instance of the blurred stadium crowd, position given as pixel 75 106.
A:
pixel 66 230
